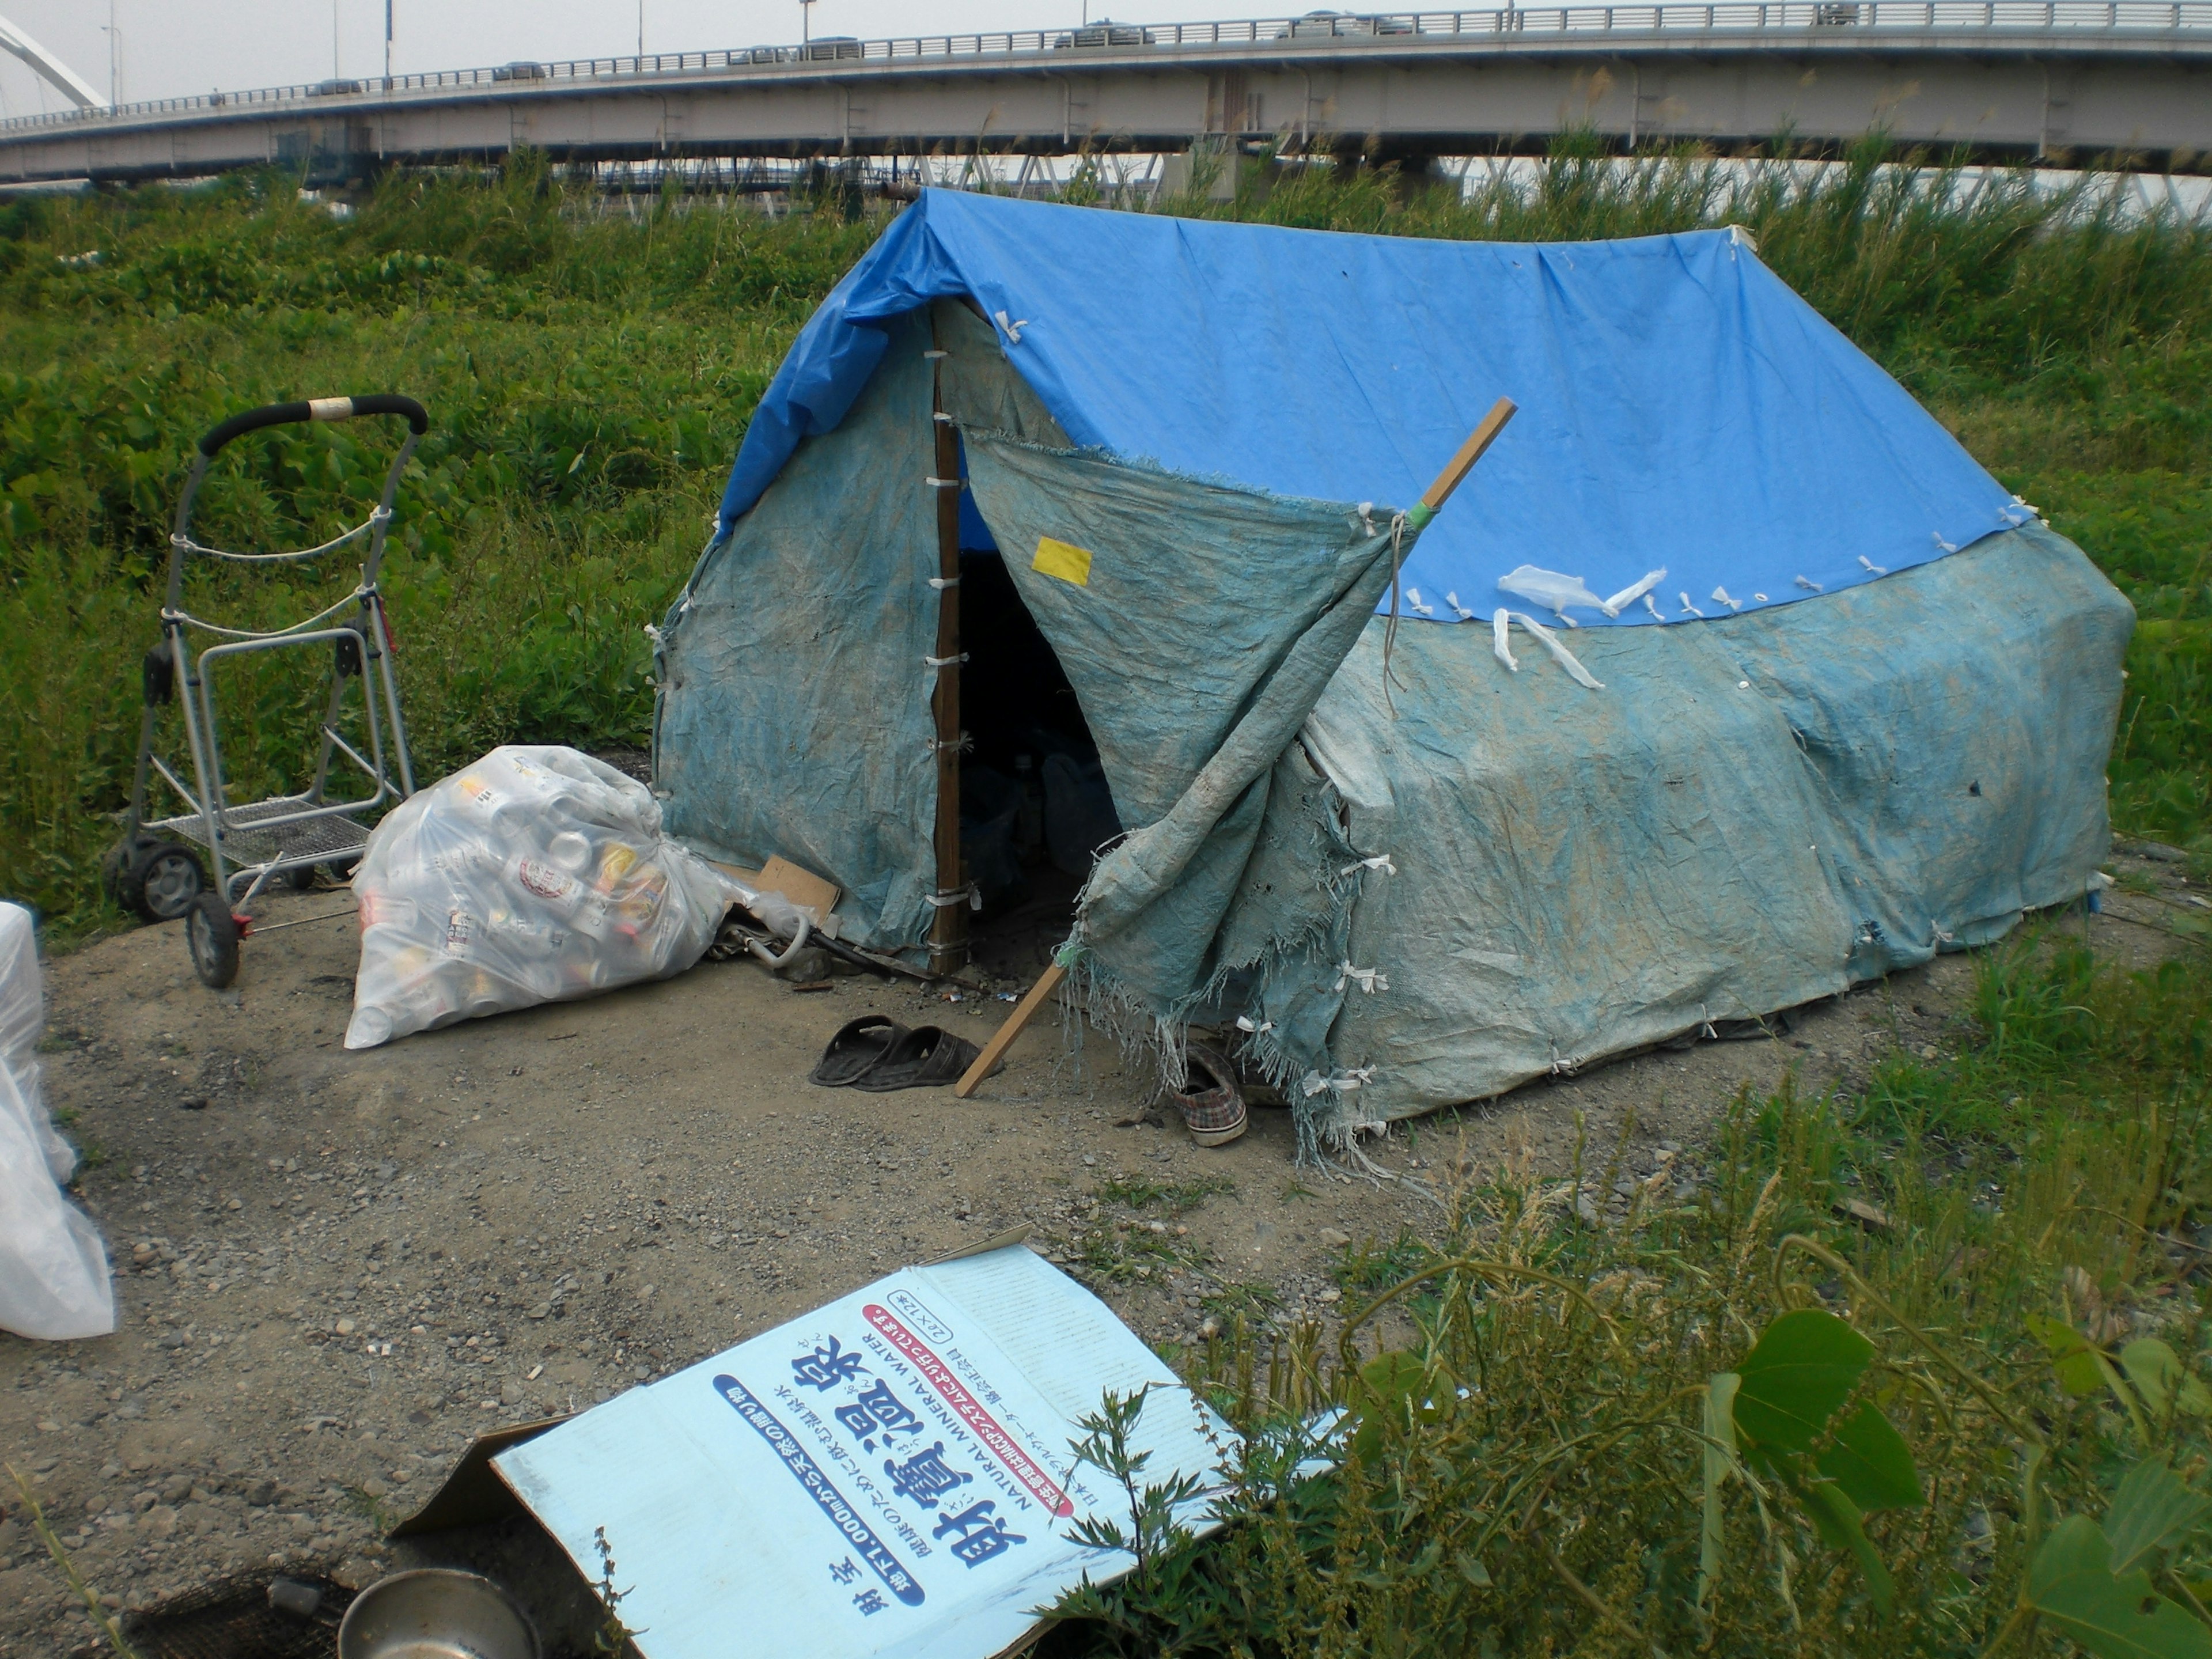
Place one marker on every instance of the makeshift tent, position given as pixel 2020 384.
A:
pixel 1770 688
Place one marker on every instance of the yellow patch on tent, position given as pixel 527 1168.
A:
pixel 1065 560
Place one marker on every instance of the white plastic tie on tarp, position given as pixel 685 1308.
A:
pixel 652 634
pixel 1721 597
pixel 1635 591
pixel 935 663
pixel 1878 569
pixel 1652 606
pixel 940 583
pixel 1244 1023
pixel 1560 654
pixel 1458 610
pixel 1366 510
pixel 1380 861
pixel 1942 545
pixel 941 484
pixel 1686 605
pixel 964 743
pixel 1013 329
pixel 1810 585
pixel 1501 638
pixel 1705 1024
pixel 1942 937
pixel 1371 980
pixel 1314 1083
pixel 947 898
pixel 1760 598
pixel 1548 588
pixel 1414 604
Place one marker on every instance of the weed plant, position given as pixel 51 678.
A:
pixel 590 372
pixel 1541 1460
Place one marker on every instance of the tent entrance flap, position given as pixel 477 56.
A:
pixel 1197 622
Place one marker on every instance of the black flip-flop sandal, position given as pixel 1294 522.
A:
pixel 927 1057
pixel 859 1046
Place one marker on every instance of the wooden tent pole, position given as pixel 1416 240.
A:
pixel 948 928
pixel 1433 498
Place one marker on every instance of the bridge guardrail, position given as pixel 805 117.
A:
pixel 1774 20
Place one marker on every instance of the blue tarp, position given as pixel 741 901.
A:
pixel 1679 407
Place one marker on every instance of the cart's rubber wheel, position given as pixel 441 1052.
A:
pixel 341 870
pixel 300 879
pixel 160 880
pixel 211 935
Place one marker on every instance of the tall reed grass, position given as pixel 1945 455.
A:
pixel 590 374
pixel 1535 1467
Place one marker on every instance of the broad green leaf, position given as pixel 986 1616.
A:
pixel 1471 1570
pixel 1720 1462
pixel 2153 1508
pixel 1802 1367
pixel 1386 1381
pixel 2071 1356
pixel 1836 1518
pixel 2071 1583
pixel 2166 1385
pixel 1869 1460
pixel 2155 1369
pixel 1392 1375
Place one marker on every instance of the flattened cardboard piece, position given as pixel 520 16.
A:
pixel 809 891
pixel 888 1477
pixel 474 1493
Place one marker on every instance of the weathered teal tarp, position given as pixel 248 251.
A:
pixel 1414 900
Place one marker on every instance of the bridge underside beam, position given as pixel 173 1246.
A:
pixel 2155 110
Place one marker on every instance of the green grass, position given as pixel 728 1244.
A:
pixel 1530 1474
pixel 588 379
pixel 1174 1196
pixel 590 374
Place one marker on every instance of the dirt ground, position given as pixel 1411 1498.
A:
pixel 334 1269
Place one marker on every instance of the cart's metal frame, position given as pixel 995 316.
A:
pixel 248 844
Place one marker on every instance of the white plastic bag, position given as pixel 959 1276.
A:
pixel 53 1266
pixel 535 875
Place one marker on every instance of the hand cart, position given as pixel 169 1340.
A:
pixel 155 869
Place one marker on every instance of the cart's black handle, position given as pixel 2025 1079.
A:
pixel 319 409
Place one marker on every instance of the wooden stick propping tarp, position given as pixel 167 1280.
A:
pixel 1461 465
pixel 1048 983
pixel 1431 498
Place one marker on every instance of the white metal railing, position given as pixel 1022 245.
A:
pixel 1774 20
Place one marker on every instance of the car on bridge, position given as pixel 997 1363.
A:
pixel 1328 23
pixel 1103 33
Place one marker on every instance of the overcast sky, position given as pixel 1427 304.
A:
pixel 171 47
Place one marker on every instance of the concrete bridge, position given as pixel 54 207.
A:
pixel 2058 81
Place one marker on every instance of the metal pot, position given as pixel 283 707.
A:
pixel 436 1612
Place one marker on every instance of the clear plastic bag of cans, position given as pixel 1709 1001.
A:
pixel 534 875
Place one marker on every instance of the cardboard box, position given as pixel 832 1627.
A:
pixel 889 1475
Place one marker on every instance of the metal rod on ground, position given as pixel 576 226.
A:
pixel 948 927
pixel 1431 498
